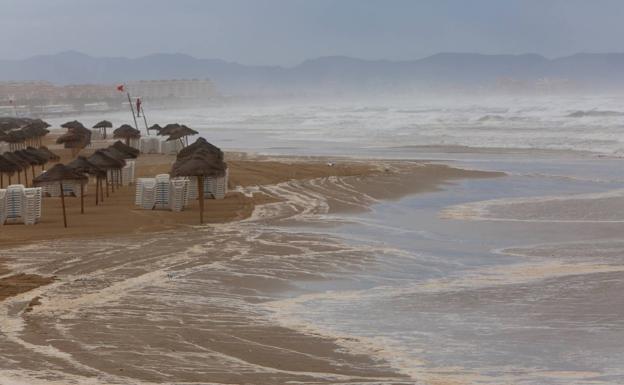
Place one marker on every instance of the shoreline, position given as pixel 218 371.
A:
pixel 285 203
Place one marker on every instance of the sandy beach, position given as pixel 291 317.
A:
pixel 52 274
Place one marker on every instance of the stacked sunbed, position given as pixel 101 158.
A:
pixel 20 205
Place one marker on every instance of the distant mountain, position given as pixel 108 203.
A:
pixel 336 73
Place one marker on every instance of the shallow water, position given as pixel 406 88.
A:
pixel 455 303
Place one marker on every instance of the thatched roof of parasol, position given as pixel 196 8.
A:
pixel 51 156
pixel 126 132
pixel 116 154
pixel 43 156
pixel 31 157
pixel 72 140
pixel 8 167
pixel 73 125
pixel 103 124
pixel 15 136
pixel 60 172
pixel 200 144
pixel 22 164
pixel 199 164
pixel 82 165
pixel 103 160
pixel 155 127
pixel 169 128
pixel 120 146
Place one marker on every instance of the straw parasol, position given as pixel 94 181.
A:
pixel 102 126
pixel 200 144
pixel 183 132
pixel 7 167
pixel 82 165
pixel 35 131
pixel 33 158
pixel 200 164
pixel 59 173
pixel 43 153
pixel 105 161
pixel 126 132
pixel 52 157
pixel 22 165
pixel 155 127
pixel 131 151
pixel 76 138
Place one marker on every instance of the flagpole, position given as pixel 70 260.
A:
pixel 132 110
pixel 145 119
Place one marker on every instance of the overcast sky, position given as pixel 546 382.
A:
pixel 286 32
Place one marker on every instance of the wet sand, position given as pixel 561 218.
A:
pixel 134 296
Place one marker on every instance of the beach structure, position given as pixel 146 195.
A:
pixel 83 166
pixel 127 133
pixel 21 164
pixel 7 169
pixel 19 204
pixel 32 158
pixel 101 128
pixel 58 174
pixel 76 138
pixel 110 164
pixel 162 192
pixel 202 161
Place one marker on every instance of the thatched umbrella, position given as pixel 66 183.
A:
pixel 22 164
pixel 32 158
pixel 45 154
pixel 82 165
pixel 7 167
pixel 155 127
pixel 76 138
pixel 126 132
pixel 102 126
pixel 200 144
pixel 15 138
pixel 131 151
pixel 168 129
pixel 35 131
pixel 200 164
pixel 183 132
pixel 52 157
pixel 105 161
pixel 59 173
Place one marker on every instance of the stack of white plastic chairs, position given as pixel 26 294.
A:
pixel 178 197
pixel 96 134
pixel 20 205
pixel 171 147
pixel 135 143
pixel 214 187
pixel 3 206
pixel 127 173
pixel 31 205
pixel 162 191
pixel 149 145
pixel 145 193
pixel 70 188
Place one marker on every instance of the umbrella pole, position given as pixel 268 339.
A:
pixel 81 198
pixel 200 191
pixel 9 179
pixel 101 191
pixel 1 180
pixel 63 204
pixel 33 171
pixel 106 182
pixel 19 177
pixel 97 190
pixel 26 177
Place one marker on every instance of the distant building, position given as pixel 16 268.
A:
pixel 173 89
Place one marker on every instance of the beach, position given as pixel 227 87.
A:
pixel 51 275
pixel 354 261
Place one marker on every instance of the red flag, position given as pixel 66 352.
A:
pixel 120 88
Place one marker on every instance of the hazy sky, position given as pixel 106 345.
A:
pixel 286 32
